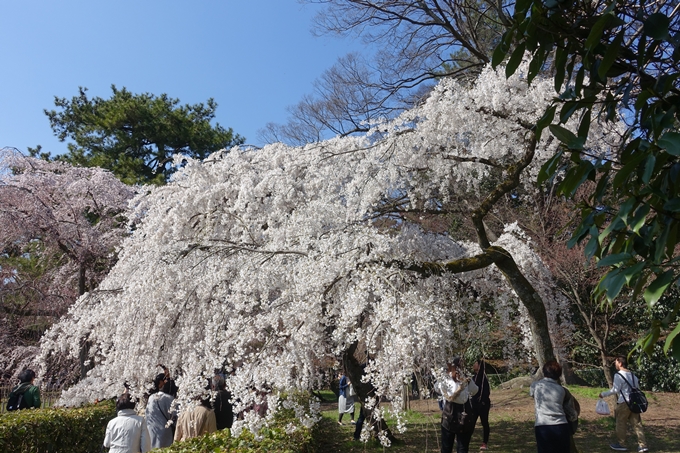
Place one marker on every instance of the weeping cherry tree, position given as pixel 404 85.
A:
pixel 274 262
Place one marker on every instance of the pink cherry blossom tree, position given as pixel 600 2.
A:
pixel 59 229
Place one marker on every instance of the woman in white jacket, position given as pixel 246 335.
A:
pixel 127 433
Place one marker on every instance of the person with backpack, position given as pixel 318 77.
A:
pixel 25 395
pixel 625 384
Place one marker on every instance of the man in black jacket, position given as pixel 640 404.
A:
pixel 224 412
pixel 481 402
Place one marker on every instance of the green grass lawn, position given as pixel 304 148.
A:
pixel 509 432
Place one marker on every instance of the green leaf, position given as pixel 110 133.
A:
pixel 661 241
pixel 522 6
pixel 561 55
pixel 515 60
pixel 649 168
pixel 612 283
pixel 548 168
pixel 645 342
pixel 610 55
pixel 670 141
pixel 656 289
pixel 596 32
pixel 536 64
pixel 639 218
pixel 545 120
pixel 656 26
pixel 627 169
pixel 499 54
pixel 611 260
pixel 670 339
pixel 568 109
pixel 580 76
pixel 593 245
pixel 672 205
pixel 616 224
pixel 632 273
pixel 640 284
pixel 584 127
pixel 602 186
pixel 567 137
pixel 575 177
pixel 653 338
pixel 641 47
pixel 580 232
pixel 562 134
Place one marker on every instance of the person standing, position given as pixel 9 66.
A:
pixel 456 390
pixel 624 380
pixel 28 394
pixel 159 413
pixel 224 411
pixel 127 433
pixel 196 422
pixel 345 399
pixel 552 429
pixel 481 402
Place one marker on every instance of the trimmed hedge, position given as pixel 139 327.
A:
pixel 274 439
pixel 278 437
pixel 55 430
pixel 82 430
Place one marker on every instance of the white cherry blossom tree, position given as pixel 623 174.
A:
pixel 272 262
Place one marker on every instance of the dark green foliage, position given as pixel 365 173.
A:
pixel 274 438
pixel 136 135
pixel 615 59
pixel 658 372
pixel 78 430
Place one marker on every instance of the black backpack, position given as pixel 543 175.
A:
pixel 16 399
pixel 637 401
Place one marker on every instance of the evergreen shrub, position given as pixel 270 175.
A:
pixel 56 430
pixel 284 435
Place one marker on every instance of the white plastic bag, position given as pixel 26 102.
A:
pixel 602 408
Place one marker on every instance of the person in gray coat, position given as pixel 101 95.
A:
pixel 552 429
pixel 159 415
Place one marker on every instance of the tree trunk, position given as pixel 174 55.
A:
pixel 538 318
pixel 83 357
pixel 81 279
pixel 355 371
pixel 606 369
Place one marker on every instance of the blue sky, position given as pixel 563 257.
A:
pixel 254 57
